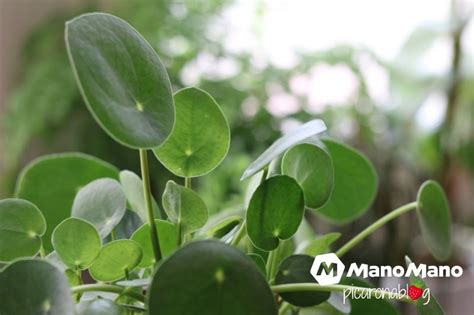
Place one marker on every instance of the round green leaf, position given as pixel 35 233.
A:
pixel 76 242
pixel 300 134
pixel 52 181
pixel 99 307
pixel 21 228
pixel 121 79
pixel 355 184
pixel 128 225
pixel 212 278
pixel 101 203
pixel 312 168
pixel 259 262
pixel 275 212
pixel 321 244
pixel 167 236
pixel 435 219
pixel 296 269
pixel 368 306
pixel 34 287
pixel 133 188
pixel 115 259
pixel 184 207
pixel 201 137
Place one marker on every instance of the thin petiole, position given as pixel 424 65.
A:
pixel 188 182
pixel 375 226
pixel 147 195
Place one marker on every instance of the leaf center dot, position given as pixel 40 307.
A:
pixel 140 107
pixel 219 275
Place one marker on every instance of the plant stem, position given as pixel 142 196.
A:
pixel 243 227
pixel 369 292
pixel 42 252
pixel 375 226
pixel 188 182
pixel 284 308
pixel 108 288
pixel 270 263
pixel 148 204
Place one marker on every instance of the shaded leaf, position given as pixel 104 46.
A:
pixel 210 276
pixel 101 203
pixel 51 183
pixel 21 226
pixel 355 184
pixel 275 212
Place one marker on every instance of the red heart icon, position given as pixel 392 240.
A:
pixel 414 292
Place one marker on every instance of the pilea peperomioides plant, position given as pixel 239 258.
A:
pixel 76 218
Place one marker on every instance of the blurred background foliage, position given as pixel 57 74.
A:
pixel 413 124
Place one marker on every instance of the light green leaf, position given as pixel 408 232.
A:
pixel 311 166
pixel 122 80
pixel 320 245
pixel 209 277
pixel 133 188
pixel 101 203
pixel 201 137
pixel 355 184
pixel 296 269
pixel 76 242
pixel 168 238
pixel 300 134
pixel 21 228
pixel 115 260
pixel 184 207
pixel 435 219
pixel 51 183
pixel 34 287
pixel 275 212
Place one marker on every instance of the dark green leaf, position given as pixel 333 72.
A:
pixel 312 168
pixel 355 184
pixel 122 80
pixel 184 207
pixel 209 277
pixel 300 134
pixel 51 183
pixel 21 228
pixel 34 287
pixel 115 259
pixel 168 238
pixel 201 137
pixel 275 212
pixel 259 262
pixel 133 188
pixel 101 203
pixel 435 219
pixel 223 227
pixel 76 242
pixel 296 269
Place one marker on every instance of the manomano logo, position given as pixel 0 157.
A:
pixel 328 269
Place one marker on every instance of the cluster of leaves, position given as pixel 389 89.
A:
pixel 89 221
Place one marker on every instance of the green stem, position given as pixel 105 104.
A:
pixel 148 204
pixel 243 227
pixel 270 263
pixel 113 236
pixel 285 307
pixel 375 226
pixel 312 287
pixel 188 182
pixel 108 288
pixel 42 252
